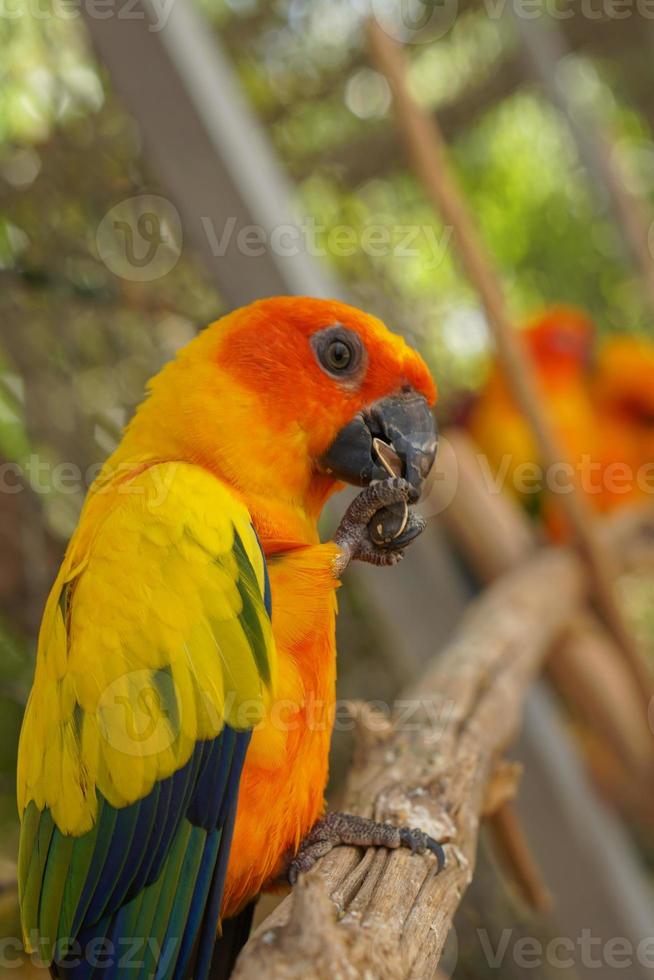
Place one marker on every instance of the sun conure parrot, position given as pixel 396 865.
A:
pixel 174 751
pixel 622 393
pixel 558 343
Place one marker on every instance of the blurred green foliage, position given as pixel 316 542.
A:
pixel 545 222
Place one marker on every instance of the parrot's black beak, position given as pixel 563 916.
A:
pixel 405 423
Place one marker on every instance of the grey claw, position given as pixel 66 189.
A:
pixel 414 528
pixel 355 537
pixel 419 842
pixel 437 849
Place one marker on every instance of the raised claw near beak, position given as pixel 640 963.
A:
pixel 355 536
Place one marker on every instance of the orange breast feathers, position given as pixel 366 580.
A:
pixel 286 767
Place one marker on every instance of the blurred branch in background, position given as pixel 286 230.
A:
pixel 544 47
pixel 494 535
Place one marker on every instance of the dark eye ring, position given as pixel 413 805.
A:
pixel 339 351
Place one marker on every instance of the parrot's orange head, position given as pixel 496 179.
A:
pixel 561 339
pixel 288 395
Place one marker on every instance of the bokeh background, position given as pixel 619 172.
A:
pixel 78 338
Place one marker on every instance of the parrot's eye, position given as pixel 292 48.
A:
pixel 339 351
pixel 338 355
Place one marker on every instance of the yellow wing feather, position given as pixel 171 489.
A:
pixel 144 645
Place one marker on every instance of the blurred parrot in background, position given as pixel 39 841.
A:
pixel 558 344
pixel 174 751
pixel 600 400
pixel 622 392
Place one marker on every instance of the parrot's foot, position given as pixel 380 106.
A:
pixel 345 828
pixel 353 535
